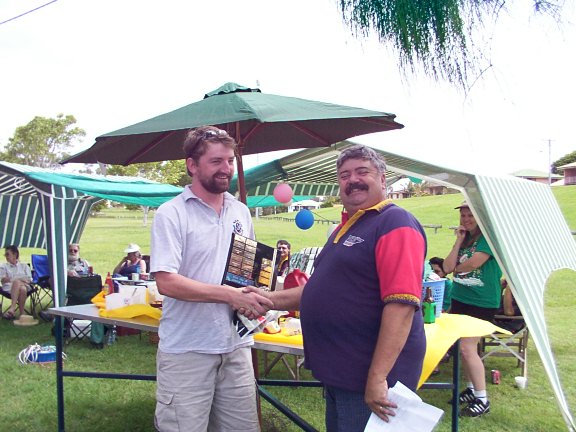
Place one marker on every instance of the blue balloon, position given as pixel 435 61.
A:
pixel 304 219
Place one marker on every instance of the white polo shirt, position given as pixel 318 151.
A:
pixel 191 239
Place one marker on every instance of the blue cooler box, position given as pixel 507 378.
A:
pixel 46 354
pixel 437 288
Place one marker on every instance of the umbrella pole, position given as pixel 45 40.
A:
pixel 241 183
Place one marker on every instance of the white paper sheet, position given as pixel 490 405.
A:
pixel 132 294
pixel 412 413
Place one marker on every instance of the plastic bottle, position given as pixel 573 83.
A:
pixel 108 285
pixel 111 335
pixel 429 307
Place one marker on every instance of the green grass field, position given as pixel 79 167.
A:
pixel 29 391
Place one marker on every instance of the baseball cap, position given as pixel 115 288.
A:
pixel 464 204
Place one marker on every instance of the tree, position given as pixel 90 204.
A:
pixel 436 34
pixel 42 142
pixel 564 160
pixel 172 172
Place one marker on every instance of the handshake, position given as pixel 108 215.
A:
pixel 252 302
pixel 256 307
pixel 253 311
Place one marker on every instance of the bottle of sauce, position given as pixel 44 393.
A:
pixel 108 287
pixel 429 307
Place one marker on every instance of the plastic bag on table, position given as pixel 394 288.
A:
pixel 246 327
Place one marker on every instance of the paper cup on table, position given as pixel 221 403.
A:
pixel 135 276
pixel 521 382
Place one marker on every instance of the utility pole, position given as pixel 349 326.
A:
pixel 549 162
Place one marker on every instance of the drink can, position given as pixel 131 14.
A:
pixel 495 376
pixel 90 270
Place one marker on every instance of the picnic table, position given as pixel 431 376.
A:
pixel 440 336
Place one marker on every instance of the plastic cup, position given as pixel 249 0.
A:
pixel 521 382
pixel 135 276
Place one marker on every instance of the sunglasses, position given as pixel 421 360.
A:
pixel 73 250
pixel 213 134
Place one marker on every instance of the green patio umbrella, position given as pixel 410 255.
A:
pixel 259 122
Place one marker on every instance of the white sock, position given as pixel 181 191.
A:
pixel 470 385
pixel 481 394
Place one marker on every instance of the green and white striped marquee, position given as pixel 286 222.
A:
pixel 520 219
pixel 309 172
pixel 48 209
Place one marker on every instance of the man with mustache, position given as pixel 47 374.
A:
pixel 360 311
pixel 205 379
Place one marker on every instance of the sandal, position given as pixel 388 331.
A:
pixel 8 316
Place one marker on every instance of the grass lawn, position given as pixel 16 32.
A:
pixel 29 393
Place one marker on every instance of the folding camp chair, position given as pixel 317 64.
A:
pixel 43 295
pixel 304 260
pixel 80 290
pixel 503 345
pixel 146 259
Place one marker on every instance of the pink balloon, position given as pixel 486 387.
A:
pixel 283 193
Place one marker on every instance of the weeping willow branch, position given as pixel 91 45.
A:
pixel 433 34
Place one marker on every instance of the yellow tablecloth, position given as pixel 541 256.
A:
pixel 447 329
pixel 440 336
pixel 279 338
pixel 131 311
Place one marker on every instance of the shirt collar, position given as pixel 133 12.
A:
pixel 351 221
pixel 188 194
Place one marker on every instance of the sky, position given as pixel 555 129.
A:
pixel 115 63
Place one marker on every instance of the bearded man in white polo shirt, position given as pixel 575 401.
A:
pixel 205 379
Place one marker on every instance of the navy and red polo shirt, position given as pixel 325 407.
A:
pixel 375 258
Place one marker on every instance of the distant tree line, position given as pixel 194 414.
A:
pixel 564 160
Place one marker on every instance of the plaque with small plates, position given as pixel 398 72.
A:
pixel 250 263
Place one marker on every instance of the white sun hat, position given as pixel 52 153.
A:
pixel 132 247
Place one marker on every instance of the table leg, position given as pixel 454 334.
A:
pixel 275 360
pixel 58 321
pixel 455 384
pixel 255 366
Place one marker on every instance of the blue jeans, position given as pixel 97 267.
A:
pixel 346 411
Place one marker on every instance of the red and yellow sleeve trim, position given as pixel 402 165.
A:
pixel 402 298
